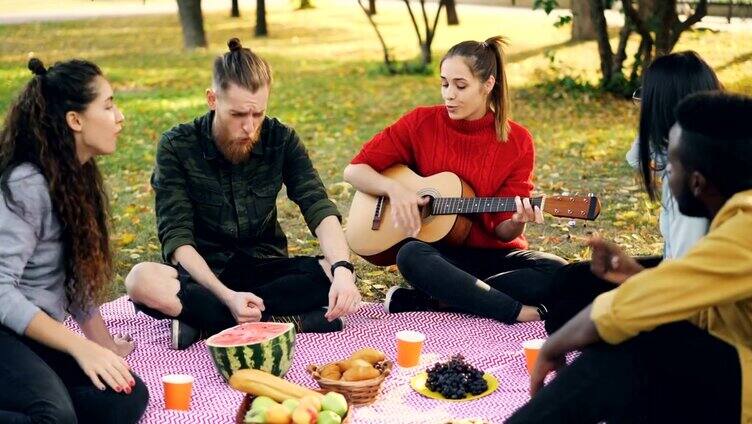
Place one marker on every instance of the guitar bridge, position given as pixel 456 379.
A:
pixel 377 215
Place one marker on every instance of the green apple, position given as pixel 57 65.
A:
pixel 334 402
pixel 291 404
pixel 262 403
pixel 253 417
pixel 328 417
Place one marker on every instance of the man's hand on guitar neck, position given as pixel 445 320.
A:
pixel 405 208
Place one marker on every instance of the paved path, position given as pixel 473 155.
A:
pixel 40 11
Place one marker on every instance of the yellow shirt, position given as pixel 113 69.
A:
pixel 711 286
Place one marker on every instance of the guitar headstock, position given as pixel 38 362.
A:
pixel 579 207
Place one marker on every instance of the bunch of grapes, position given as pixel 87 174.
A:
pixel 456 378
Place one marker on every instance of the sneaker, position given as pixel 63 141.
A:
pixel 312 322
pixel 183 335
pixel 401 299
pixel 542 311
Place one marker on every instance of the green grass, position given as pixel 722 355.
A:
pixel 325 87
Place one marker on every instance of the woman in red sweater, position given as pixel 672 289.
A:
pixel 492 275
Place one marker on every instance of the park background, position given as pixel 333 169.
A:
pixel 332 86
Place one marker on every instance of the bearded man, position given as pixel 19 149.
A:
pixel 216 182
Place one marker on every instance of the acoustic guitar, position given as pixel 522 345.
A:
pixel 371 233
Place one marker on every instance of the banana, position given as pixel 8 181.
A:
pixel 260 383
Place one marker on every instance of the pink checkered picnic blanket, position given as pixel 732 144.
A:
pixel 487 344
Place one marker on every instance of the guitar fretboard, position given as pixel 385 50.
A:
pixel 463 205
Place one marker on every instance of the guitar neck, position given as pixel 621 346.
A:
pixel 466 205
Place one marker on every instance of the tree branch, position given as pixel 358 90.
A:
pixel 415 23
pixel 634 17
pixel 425 19
pixel 621 50
pixel 435 22
pixel 387 59
pixel 700 12
pixel 601 33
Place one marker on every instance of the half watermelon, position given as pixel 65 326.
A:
pixel 266 346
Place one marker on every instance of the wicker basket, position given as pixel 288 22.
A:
pixel 245 405
pixel 362 392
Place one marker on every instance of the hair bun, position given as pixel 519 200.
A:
pixel 36 66
pixel 234 44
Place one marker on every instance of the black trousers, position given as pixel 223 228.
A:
pixel 42 385
pixel 574 287
pixel 677 373
pixel 288 286
pixel 513 277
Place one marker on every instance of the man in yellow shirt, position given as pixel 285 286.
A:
pixel 678 338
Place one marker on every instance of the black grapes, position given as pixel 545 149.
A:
pixel 455 379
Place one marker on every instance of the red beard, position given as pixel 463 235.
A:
pixel 236 152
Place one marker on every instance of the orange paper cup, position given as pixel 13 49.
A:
pixel 409 345
pixel 177 391
pixel 532 347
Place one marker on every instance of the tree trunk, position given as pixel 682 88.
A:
pixel 235 12
pixel 665 13
pixel 425 53
pixel 582 21
pixel 192 22
pixel 451 10
pixel 598 16
pixel 371 7
pixel 261 30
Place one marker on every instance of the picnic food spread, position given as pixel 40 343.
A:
pixel 266 346
pixel 281 402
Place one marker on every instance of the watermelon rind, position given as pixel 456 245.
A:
pixel 273 355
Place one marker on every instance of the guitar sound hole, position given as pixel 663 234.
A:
pixel 425 211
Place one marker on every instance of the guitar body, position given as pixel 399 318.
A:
pixel 379 246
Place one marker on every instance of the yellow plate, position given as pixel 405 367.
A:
pixel 418 383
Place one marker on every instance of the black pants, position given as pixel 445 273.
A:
pixel 42 385
pixel 677 373
pixel 574 287
pixel 288 286
pixel 513 277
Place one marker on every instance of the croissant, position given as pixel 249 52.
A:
pixel 360 373
pixel 370 355
pixel 350 363
pixel 331 372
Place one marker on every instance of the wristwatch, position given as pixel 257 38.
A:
pixel 344 264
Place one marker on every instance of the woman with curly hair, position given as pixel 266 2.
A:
pixel 54 254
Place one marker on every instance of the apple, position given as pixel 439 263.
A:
pixel 291 404
pixel 334 402
pixel 328 417
pixel 304 414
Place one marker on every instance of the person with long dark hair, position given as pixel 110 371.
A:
pixel 492 274
pixel 665 83
pixel 55 258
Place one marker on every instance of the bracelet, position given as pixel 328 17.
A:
pixel 344 264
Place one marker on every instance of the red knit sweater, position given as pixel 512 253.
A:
pixel 429 142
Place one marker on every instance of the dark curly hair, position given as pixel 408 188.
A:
pixel 36 131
